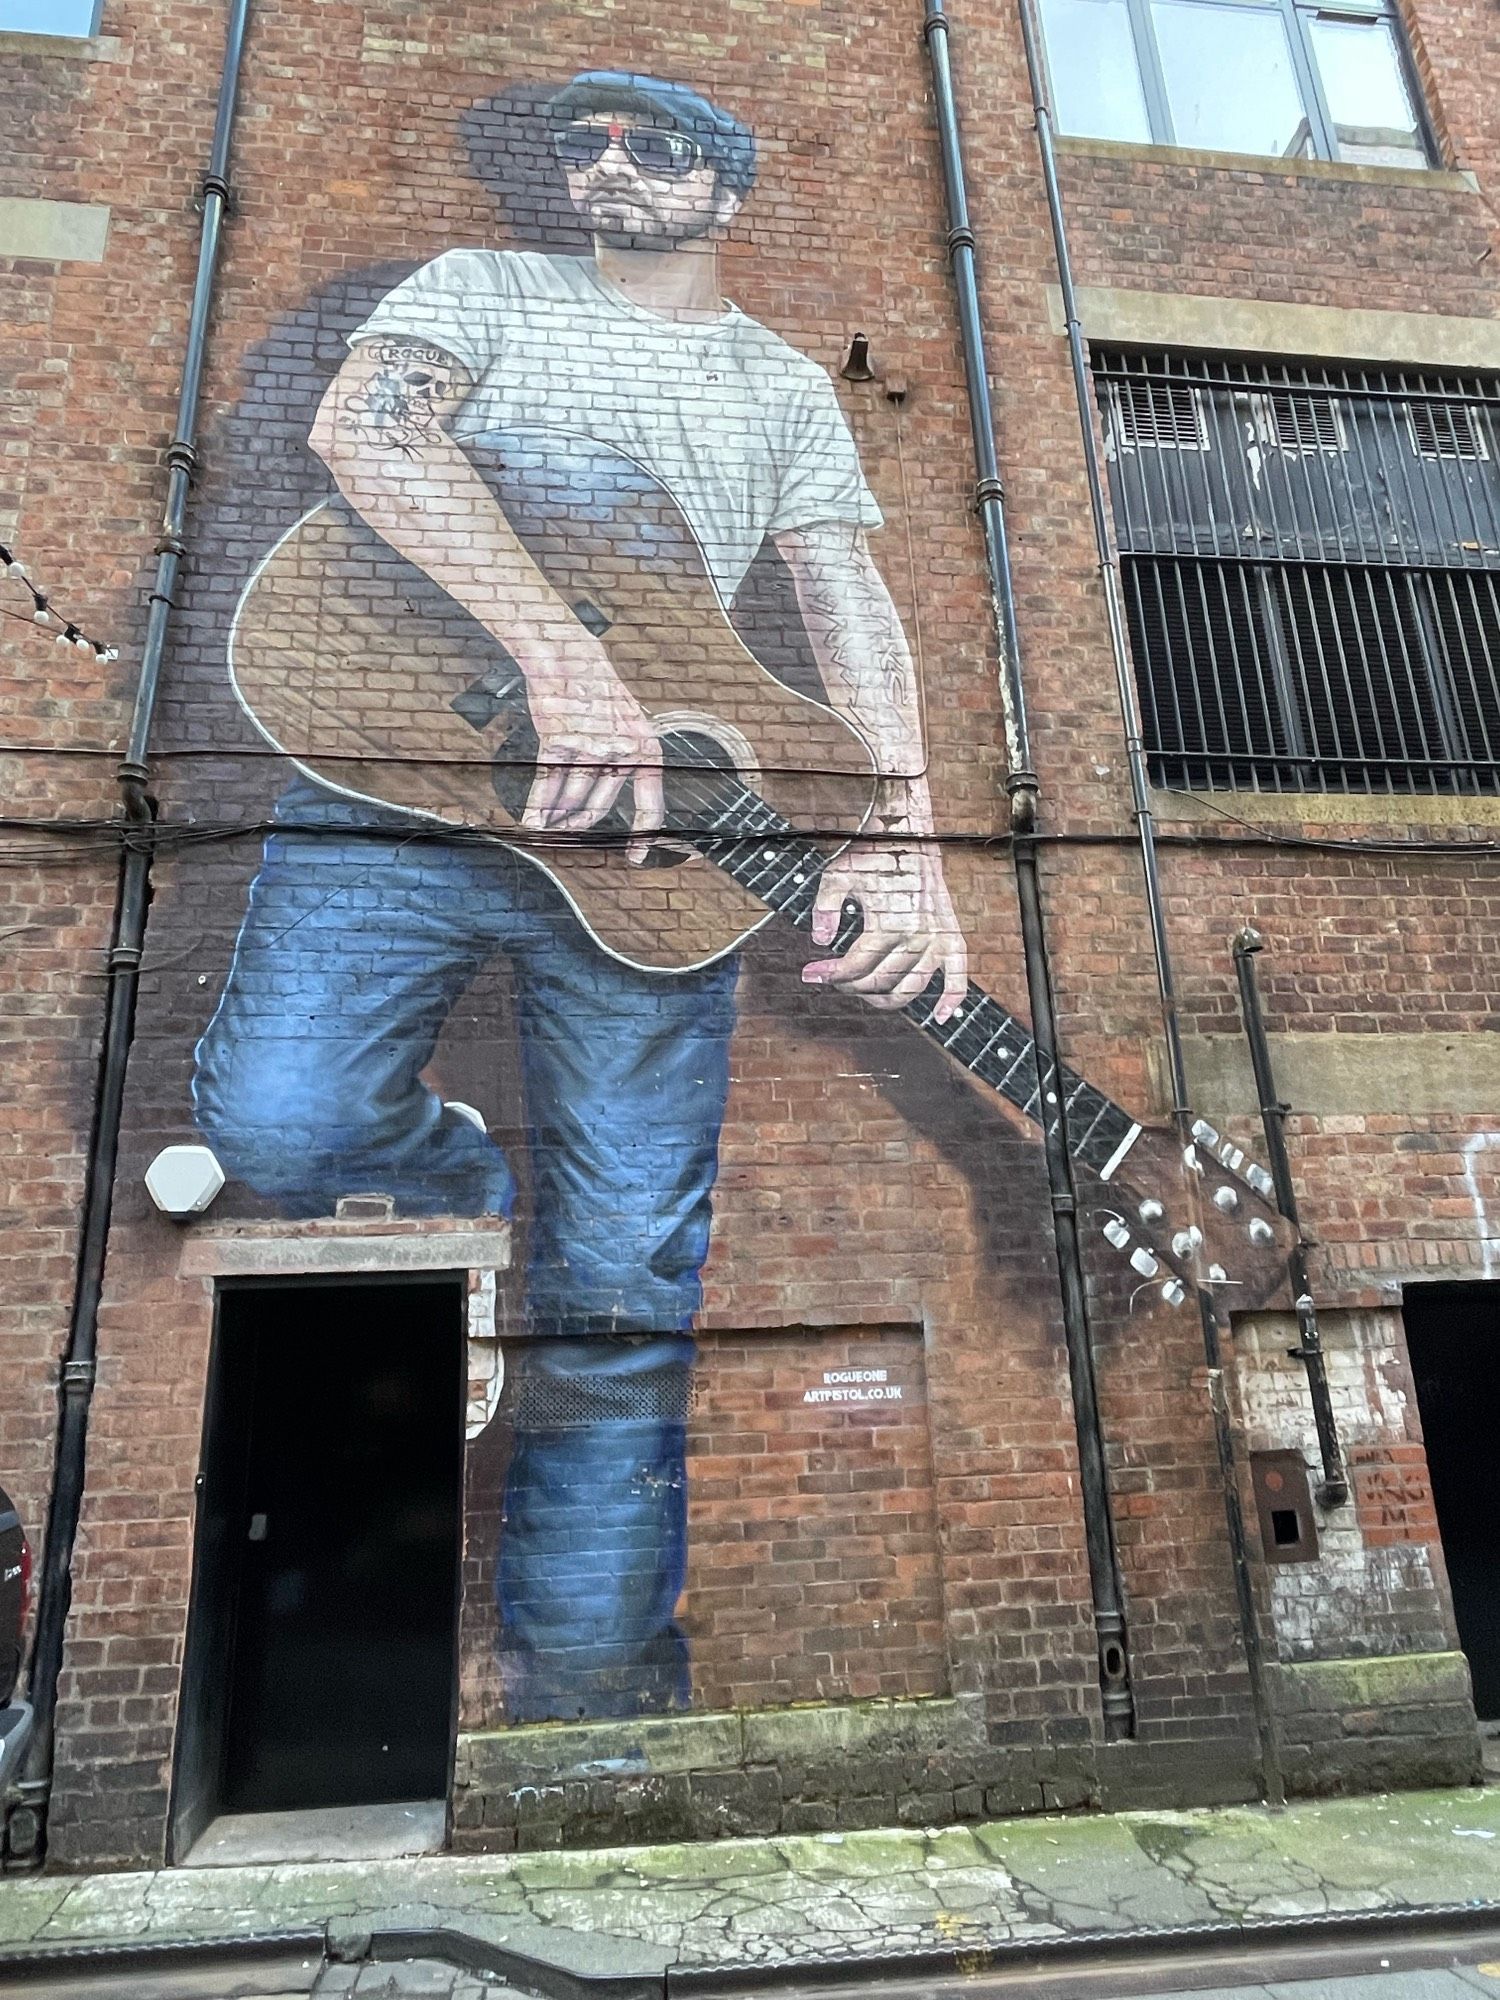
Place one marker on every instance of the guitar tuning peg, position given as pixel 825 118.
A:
pixel 1226 1200
pixel 1260 1180
pixel 1186 1241
pixel 1204 1133
pixel 1261 1231
pixel 1174 1291
pixel 1191 1160
pixel 1150 1210
pixel 1142 1260
pixel 1116 1233
pixel 1217 1275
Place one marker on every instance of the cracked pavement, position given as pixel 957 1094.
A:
pixel 827 1897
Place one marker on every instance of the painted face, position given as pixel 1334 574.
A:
pixel 638 185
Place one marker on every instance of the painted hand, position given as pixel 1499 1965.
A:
pixel 910 931
pixel 593 738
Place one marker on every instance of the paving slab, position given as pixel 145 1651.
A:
pixel 833 1897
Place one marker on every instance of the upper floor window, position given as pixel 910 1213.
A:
pixel 1291 78
pixel 1311 563
pixel 50 17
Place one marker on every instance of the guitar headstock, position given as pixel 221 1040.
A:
pixel 1200 1217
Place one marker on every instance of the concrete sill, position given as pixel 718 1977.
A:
pixel 1404 816
pixel 1268 166
pixel 282 1249
pixel 85 48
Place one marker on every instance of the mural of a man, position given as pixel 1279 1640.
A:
pixel 309 1078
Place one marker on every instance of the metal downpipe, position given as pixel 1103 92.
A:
pixel 1334 1489
pixel 1209 1310
pixel 1117 1700
pixel 26 1827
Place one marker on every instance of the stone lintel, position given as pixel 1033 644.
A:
pixel 260 1253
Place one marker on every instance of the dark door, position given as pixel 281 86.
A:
pixel 1453 1335
pixel 321 1669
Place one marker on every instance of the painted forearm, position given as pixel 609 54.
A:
pixel 382 433
pixel 860 648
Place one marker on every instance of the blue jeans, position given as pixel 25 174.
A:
pixel 352 952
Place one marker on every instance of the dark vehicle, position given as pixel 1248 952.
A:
pixel 15 1591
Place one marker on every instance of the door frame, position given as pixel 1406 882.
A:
pixel 195 1790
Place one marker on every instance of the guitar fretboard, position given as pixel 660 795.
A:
pixel 765 857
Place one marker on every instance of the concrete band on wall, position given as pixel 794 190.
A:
pixel 1259 326
pixel 53 232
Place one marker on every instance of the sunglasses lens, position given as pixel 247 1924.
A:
pixel 668 155
pixel 581 145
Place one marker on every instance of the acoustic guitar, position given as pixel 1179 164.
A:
pixel 369 676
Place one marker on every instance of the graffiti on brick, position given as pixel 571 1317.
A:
pixel 554 472
pixel 586 664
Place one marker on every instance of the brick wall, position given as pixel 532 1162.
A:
pixel 862 1183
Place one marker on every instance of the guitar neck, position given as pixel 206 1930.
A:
pixel 780 868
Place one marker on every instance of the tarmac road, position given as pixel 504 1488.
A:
pixel 1421 1964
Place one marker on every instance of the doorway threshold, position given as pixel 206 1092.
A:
pixel 321 1833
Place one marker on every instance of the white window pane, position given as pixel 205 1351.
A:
pixel 1230 84
pixel 1373 119
pixel 48 17
pixel 1096 81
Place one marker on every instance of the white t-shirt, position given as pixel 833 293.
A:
pixel 743 431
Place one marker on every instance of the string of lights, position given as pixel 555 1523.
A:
pixel 67 631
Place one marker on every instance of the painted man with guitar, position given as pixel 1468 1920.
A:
pixel 356 945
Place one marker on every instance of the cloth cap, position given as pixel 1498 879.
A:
pixel 725 141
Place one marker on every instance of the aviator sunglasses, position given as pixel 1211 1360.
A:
pixel 656 150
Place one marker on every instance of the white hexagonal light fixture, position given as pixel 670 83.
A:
pixel 183 1180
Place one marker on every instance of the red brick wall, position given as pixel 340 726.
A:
pixel 863 1183
pixel 813 1570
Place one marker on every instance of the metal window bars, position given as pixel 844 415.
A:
pixel 1311 559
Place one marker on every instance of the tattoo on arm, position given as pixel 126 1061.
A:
pixel 400 406
pixel 854 627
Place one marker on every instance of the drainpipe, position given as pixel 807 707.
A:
pixel 26 1829
pixel 1334 1490
pixel 1211 1313
pixel 1117 1700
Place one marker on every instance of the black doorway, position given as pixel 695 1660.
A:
pixel 1453 1335
pixel 321 1661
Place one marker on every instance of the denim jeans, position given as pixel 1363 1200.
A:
pixel 352 952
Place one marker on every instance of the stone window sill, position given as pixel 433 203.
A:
pixel 86 48
pixel 1436 180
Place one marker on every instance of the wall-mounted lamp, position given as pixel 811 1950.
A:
pixel 856 366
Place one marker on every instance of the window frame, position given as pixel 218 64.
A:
pixel 1295 15
pixel 85 34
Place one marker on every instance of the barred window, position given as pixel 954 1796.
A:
pixel 1311 565
pixel 1295 79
